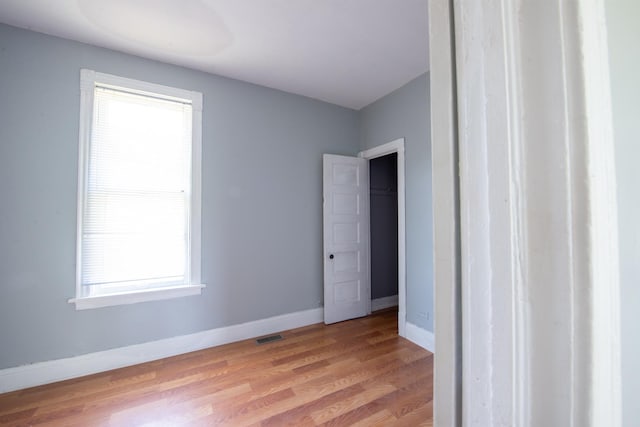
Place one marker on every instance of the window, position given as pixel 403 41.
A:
pixel 138 192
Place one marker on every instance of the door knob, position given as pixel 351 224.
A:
pixel 331 256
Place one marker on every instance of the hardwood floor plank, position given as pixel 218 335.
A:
pixel 311 366
pixel 350 403
pixel 278 382
pixel 353 373
pixel 17 416
pixel 422 417
pixel 301 414
pixel 379 419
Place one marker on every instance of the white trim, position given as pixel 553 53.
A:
pixel 540 338
pixel 57 370
pixel 602 304
pixel 421 337
pixel 87 82
pixel 384 302
pixel 447 381
pixel 195 234
pixel 141 87
pixel 394 146
pixel 489 217
pixel 155 294
pixel 397 146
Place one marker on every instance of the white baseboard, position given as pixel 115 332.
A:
pixel 384 302
pixel 422 337
pixel 62 369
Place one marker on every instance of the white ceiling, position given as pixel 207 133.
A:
pixel 347 52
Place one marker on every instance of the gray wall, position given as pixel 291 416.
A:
pixel 383 183
pixel 405 113
pixel 624 57
pixel 262 203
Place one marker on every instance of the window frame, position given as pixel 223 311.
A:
pixel 89 79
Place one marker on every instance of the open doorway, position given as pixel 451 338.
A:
pixel 347 284
pixel 389 159
pixel 383 223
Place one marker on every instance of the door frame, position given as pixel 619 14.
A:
pixel 493 364
pixel 395 146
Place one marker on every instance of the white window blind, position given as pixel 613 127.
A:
pixel 135 224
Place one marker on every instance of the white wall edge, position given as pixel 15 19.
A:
pixel 384 302
pixel 62 369
pixel 421 337
pixel 447 368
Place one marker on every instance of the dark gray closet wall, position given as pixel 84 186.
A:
pixel 383 180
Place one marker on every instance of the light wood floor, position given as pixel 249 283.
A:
pixel 355 373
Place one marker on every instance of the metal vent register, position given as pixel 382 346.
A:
pixel 270 338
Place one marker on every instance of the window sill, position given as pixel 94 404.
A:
pixel 135 297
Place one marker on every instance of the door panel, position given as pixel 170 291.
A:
pixel 346 238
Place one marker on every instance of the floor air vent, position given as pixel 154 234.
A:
pixel 269 339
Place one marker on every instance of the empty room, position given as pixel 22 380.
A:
pixel 271 212
pixel 215 213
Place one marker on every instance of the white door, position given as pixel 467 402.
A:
pixel 346 238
